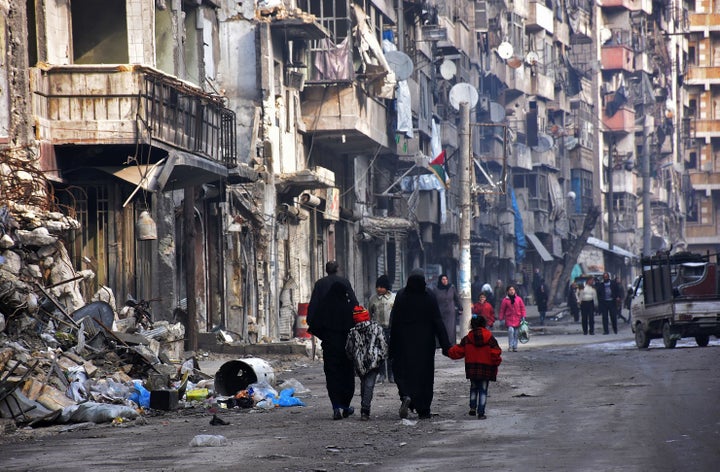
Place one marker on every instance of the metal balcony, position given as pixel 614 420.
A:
pixel 127 104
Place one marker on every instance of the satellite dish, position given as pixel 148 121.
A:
pixel 571 142
pixel 605 35
pixel 497 112
pixel 400 63
pixel 532 58
pixel 463 92
pixel 448 69
pixel 545 143
pixel 505 50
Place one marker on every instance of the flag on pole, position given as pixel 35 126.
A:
pixel 437 165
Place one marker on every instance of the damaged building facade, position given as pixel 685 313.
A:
pixel 216 154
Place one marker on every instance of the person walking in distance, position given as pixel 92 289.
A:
pixel 448 300
pixel 588 303
pixel 367 348
pixel 415 327
pixel 380 305
pixel 620 300
pixel 498 295
pixel 628 302
pixel 330 319
pixel 541 300
pixel 573 303
pixel 610 295
pixel 512 312
pixel 482 355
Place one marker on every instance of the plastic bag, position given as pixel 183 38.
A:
pixel 299 388
pixel 141 395
pixel 286 399
pixel 208 440
pixel 261 390
pixel 96 413
pixel 524 332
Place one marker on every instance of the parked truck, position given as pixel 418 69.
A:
pixel 677 296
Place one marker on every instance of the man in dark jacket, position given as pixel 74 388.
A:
pixel 609 296
pixel 415 324
pixel 330 319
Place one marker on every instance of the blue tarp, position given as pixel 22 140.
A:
pixel 520 243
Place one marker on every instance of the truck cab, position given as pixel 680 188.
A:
pixel 676 296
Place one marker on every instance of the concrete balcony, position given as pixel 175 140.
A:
pixel 704 22
pixel 543 86
pixel 703 75
pixel 622 122
pixel 705 180
pixel 130 105
pixel 540 18
pixel 706 128
pixel 459 37
pixel 624 181
pixel 448 134
pixel 632 5
pixel 617 57
pixel 343 116
pixel 517 79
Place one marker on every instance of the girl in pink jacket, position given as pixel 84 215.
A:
pixel 512 312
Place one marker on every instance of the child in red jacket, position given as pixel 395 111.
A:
pixel 482 355
pixel 483 308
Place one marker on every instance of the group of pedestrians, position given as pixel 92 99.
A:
pixel 396 339
pixel 608 298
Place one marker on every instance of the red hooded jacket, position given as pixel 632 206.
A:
pixel 481 352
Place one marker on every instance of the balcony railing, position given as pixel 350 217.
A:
pixel 617 56
pixel 102 104
pixel 700 75
pixel 703 21
pixel 623 121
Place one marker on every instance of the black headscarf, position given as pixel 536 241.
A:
pixel 442 286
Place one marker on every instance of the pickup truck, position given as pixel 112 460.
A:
pixel 677 296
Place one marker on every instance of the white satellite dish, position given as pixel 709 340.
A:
pixel 605 35
pixel 545 143
pixel 497 112
pixel 463 93
pixel 505 50
pixel 448 69
pixel 532 58
pixel 400 63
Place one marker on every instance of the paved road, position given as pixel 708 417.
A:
pixel 564 402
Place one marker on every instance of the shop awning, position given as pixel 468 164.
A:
pixel 544 253
pixel 600 244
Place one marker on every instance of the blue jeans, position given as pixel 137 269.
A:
pixel 513 337
pixel 367 387
pixel 478 395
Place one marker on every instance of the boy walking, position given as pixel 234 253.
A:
pixel 367 348
pixel 482 355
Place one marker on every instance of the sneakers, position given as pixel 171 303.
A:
pixel 404 406
pixel 348 411
pixel 482 417
pixel 337 414
pixel 472 412
pixel 364 415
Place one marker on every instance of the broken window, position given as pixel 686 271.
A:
pixel 99 32
pixel 536 183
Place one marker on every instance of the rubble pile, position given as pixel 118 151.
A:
pixel 58 352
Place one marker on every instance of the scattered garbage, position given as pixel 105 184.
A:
pixel 208 440
pixel 238 374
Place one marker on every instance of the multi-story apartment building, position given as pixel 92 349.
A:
pixel 701 127
pixel 266 139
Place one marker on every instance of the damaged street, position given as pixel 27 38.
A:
pixel 564 401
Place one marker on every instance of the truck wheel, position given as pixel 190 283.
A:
pixel 642 340
pixel 668 340
pixel 702 340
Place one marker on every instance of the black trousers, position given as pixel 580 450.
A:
pixel 608 309
pixel 587 311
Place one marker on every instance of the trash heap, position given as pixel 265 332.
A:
pixel 62 360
